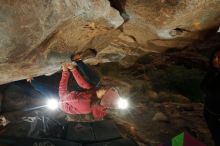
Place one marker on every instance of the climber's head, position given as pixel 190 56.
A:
pixel 108 96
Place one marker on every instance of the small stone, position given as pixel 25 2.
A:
pixel 159 116
pixel 3 121
pixel 182 99
pixel 152 95
pixel 133 130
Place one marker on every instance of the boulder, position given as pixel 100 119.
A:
pixel 37 36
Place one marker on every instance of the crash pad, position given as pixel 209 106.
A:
pixel 80 132
pixel 85 132
pixel 18 141
pixel 105 130
pixel 183 139
pixel 118 142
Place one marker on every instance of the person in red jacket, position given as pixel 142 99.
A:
pixel 82 102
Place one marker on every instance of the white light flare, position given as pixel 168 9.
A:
pixel 122 103
pixel 52 104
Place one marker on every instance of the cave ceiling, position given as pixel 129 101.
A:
pixel 37 36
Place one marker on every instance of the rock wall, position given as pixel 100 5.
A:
pixel 37 36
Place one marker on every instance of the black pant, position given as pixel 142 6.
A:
pixel 89 75
pixel 213 122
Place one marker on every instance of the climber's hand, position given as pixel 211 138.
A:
pixel 64 67
pixel 29 79
pixel 70 66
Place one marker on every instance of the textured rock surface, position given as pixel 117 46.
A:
pixel 169 20
pixel 37 36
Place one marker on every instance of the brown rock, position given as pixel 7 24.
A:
pixel 152 95
pixel 159 116
pixel 126 38
pixel 37 36
pixel 181 99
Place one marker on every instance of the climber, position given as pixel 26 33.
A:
pixel 88 103
pixel 48 85
pixel 211 87
pixel 93 100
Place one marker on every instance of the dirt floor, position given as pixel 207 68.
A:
pixel 152 124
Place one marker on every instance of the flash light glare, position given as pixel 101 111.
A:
pixel 122 103
pixel 52 104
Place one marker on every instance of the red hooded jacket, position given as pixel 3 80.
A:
pixel 76 102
